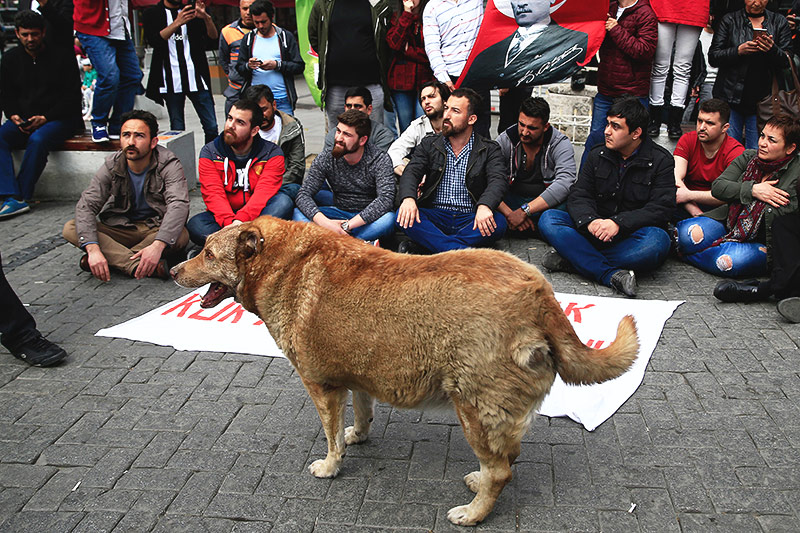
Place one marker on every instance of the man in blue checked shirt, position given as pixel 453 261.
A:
pixel 464 182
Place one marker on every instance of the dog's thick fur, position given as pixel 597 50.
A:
pixel 477 328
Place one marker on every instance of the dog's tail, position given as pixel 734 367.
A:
pixel 578 364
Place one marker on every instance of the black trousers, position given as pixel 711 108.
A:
pixel 785 279
pixel 16 323
pixel 484 114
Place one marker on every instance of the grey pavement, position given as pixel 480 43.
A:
pixel 128 436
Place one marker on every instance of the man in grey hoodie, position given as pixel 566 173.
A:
pixel 540 163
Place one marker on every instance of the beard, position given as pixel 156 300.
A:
pixel 435 114
pixel 449 129
pixel 340 150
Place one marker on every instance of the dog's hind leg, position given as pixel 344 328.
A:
pixel 330 403
pixel 363 407
pixel 495 469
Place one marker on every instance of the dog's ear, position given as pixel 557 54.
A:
pixel 249 243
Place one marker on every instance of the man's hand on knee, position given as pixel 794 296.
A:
pixel 148 259
pixel 98 263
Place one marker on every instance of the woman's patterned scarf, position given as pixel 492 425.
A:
pixel 743 220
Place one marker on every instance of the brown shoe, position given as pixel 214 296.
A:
pixel 161 271
pixel 84 263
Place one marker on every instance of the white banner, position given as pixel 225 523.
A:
pixel 184 325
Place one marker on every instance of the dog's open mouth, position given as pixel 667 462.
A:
pixel 216 293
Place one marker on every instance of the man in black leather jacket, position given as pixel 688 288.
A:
pixel 617 209
pixel 464 181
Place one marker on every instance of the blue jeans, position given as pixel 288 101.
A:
pixel 204 105
pixel 440 230
pixel 378 229
pixel 407 107
pixel 204 224
pixel 644 249
pixel 744 128
pixel 119 76
pixel 282 204
pixel 727 259
pixel 37 147
pixel 284 105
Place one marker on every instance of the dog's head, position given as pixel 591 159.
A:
pixel 221 263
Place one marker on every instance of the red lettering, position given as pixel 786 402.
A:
pixel 258 322
pixel 198 315
pixel 185 305
pixel 595 344
pixel 573 308
pixel 237 313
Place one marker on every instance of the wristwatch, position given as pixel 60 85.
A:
pixel 526 209
pixel 346 226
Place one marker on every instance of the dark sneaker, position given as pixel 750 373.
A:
pixel 11 206
pixel 624 281
pixel 789 308
pixel 555 263
pixel 39 351
pixel 729 290
pixel 113 131
pixel 192 250
pixel 161 271
pixel 100 134
pixel 84 263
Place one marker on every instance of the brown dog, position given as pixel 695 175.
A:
pixel 479 329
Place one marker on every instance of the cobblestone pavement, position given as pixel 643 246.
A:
pixel 128 436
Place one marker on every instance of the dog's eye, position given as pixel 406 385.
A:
pixel 209 255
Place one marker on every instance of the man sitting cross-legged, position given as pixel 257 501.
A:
pixel 465 180
pixel 240 173
pixel 540 162
pixel 361 179
pixel 142 201
pixel 286 131
pixel 617 209
pixel 432 98
pixel 701 156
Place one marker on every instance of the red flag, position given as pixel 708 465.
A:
pixel 518 45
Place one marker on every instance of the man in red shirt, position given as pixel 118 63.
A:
pixel 701 156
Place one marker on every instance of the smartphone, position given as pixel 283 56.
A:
pixel 757 32
pixel 26 123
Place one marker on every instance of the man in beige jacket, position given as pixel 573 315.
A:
pixel 141 199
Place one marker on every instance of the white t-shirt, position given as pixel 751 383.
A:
pixel 621 10
pixel 274 133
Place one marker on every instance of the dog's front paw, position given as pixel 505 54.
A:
pixel 324 468
pixel 460 516
pixel 351 436
pixel 473 481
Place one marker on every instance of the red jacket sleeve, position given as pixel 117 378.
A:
pixel 213 191
pixel 641 46
pixel 269 181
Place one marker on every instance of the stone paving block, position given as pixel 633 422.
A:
pixel 617 521
pixel 120 500
pixel 153 501
pixel 53 492
pixel 383 514
pixel 39 521
pixel 727 523
pixel 110 468
pixel 153 478
pixel 427 460
pixel 302 485
pixel 297 516
pixel 24 475
pixel 195 495
pixel 244 507
pixel 98 522
pixel 12 500
pixel 136 522
pixel 533 484
pixel 533 518
pixel 159 450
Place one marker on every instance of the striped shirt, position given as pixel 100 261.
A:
pixel 452 193
pixel 449 29
pixel 178 71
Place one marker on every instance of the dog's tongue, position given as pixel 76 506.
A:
pixel 216 293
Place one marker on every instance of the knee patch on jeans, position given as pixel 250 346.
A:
pixel 695 233
pixel 724 262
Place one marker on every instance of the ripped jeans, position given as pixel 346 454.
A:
pixel 728 259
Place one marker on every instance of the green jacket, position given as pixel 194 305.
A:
pixel 318 39
pixel 730 188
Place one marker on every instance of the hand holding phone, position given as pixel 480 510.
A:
pixel 25 123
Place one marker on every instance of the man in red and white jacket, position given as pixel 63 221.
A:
pixel 239 173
